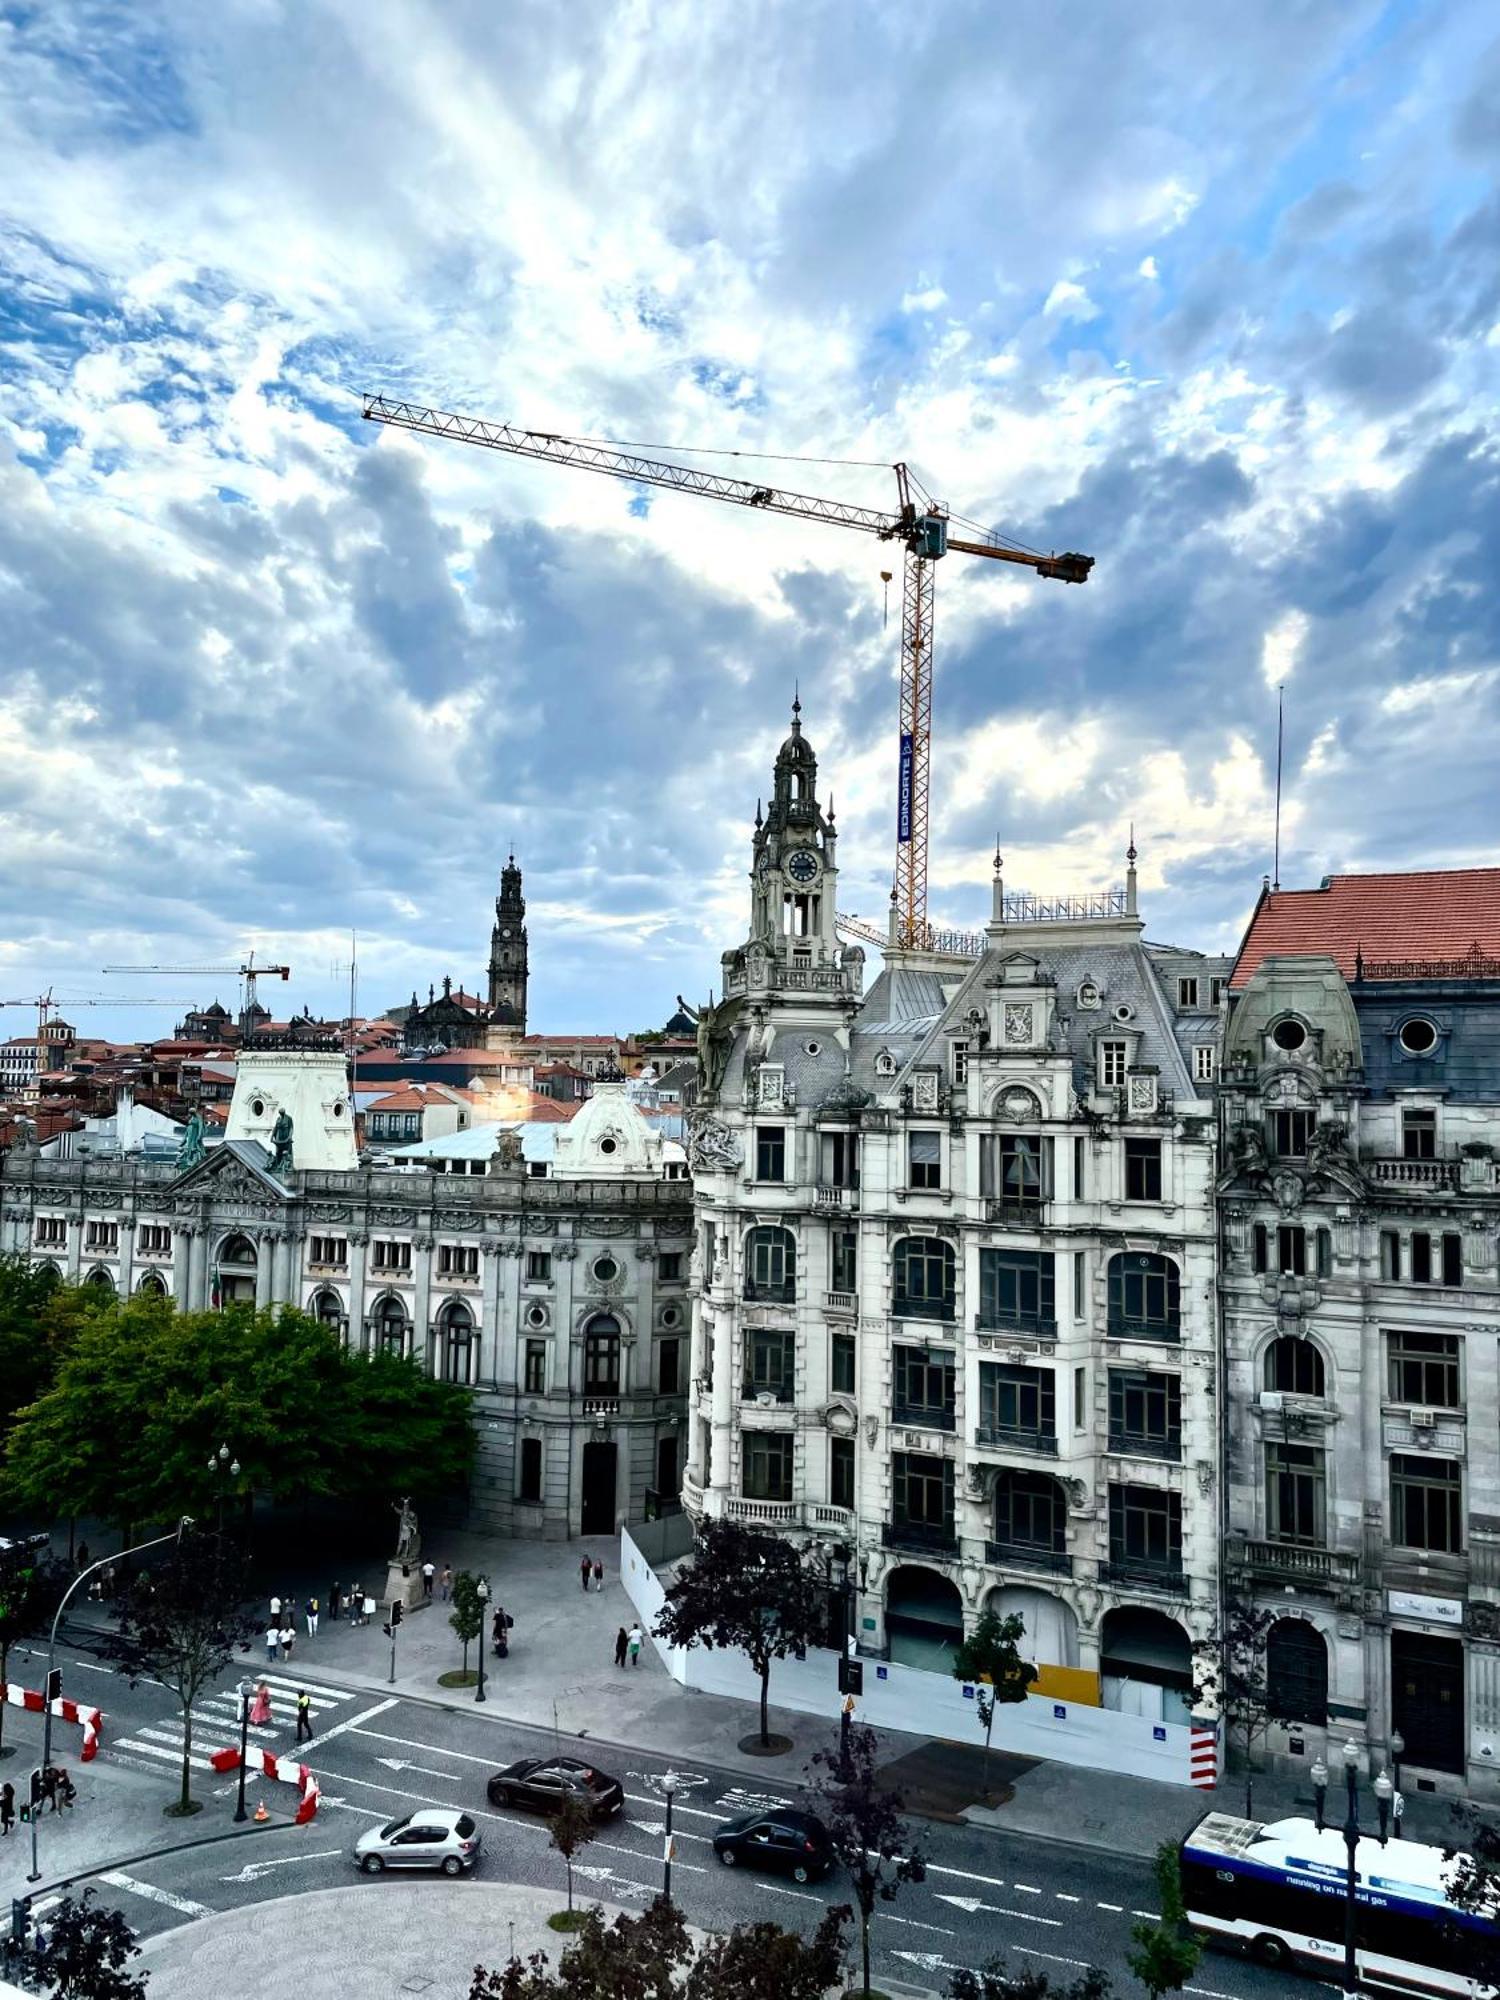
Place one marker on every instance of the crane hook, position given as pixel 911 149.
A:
pixel 885 616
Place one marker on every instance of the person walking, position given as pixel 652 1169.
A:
pixel 273 1642
pixel 633 1640
pixel 428 1573
pixel 304 1716
pixel 585 1571
pixel 260 1708
pixel 621 1642
pixel 288 1639
pixel 598 1575
pixel 445 1583
pixel 7 1807
pixel 367 1609
pixel 67 1791
pixel 83 1555
pixel 335 1601
pixel 356 1603
pixel 276 1612
pixel 310 1612
pixel 500 1626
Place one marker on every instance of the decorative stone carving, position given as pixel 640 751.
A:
pixel 713 1146
pixel 872 1431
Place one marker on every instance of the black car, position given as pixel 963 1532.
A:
pixel 539 1783
pixel 793 1843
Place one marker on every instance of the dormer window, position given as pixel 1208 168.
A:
pixel 1089 997
pixel 885 1063
pixel 1112 1057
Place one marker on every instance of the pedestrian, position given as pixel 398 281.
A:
pixel 273 1642
pixel 67 1791
pixel 83 1555
pixel 621 1642
pixel 335 1601
pixel 585 1571
pixel 7 1807
pixel 260 1708
pixel 356 1602
pixel 428 1573
pixel 633 1640
pixel 368 1610
pixel 49 1787
pixel 598 1575
pixel 304 1716
pixel 445 1583
pixel 500 1632
pixel 276 1612
pixel 288 1639
pixel 311 1614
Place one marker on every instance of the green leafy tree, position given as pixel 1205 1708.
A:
pixel 572 1828
pixel 865 1827
pixel 1167 1953
pixel 995 1981
pixel 26 1358
pixel 30 1586
pixel 181 1623
pixel 764 1962
pixel 747 1591
pixel 650 1957
pixel 467 1615
pixel 1471 1883
pixel 87 1953
pixel 1231 1679
pixel 990 1658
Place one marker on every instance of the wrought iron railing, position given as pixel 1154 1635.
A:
pixel 1150 1575
pixel 1006 1437
pixel 917 1535
pixel 921 1417
pixel 1028 1555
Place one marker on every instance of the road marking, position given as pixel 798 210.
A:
pixel 406 1743
pixel 1151 1916
pixel 971 1904
pixel 401 1764
pixel 302 1687
pixel 1058 1893
pixel 776 1889
pixel 1118 1908
pixel 340 1728
pixel 253 1870
pixel 161 1751
pixel 118 1879
pixel 89 1667
pixel 1025 1889
pixel 911 1923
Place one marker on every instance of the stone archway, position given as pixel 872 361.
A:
pixel 235 1269
pixel 924 1618
pixel 1051 1625
pixel 1146 1664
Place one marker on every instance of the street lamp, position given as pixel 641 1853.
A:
pixel 1398 1804
pixel 244 1691
pixel 222 1467
pixel 668 1788
pixel 1384 1791
pixel 482 1592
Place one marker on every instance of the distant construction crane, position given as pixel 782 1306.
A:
pixel 249 972
pixel 920 524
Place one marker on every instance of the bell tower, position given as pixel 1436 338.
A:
pixel 794 875
pixel 508 952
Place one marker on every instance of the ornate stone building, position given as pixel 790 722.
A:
pixel 561 1302
pixel 1361 1312
pixel 956 1263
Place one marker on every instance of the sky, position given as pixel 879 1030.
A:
pixel 1210 294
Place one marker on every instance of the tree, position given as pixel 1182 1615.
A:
pixel 31 1585
pixel 86 1954
pixel 1472 1884
pixel 1167 1953
pixel 764 1962
pixel 994 1982
pixel 181 1622
pixel 1231 1677
pixel 748 1590
pixel 572 1827
pixel 866 1829
pixel 26 1362
pixel 650 1957
pixel 990 1658
pixel 467 1615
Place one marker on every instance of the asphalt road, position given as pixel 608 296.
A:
pixel 1046 1903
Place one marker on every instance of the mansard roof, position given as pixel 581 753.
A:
pixel 1438 915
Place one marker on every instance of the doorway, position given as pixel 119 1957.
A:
pixel 598 1513
pixel 668 1484
pixel 1427 1699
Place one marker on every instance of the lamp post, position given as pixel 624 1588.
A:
pixel 668 1789
pixel 222 1468
pixel 244 1691
pixel 841 1560
pixel 482 1592
pixel 1384 1790
pixel 1398 1804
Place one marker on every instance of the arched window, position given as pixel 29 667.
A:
pixel 1296 1672
pixel 328 1309
pixel 237 1250
pixel 1294 1366
pixel 456 1337
pixel 1031 1513
pixel 771 1266
pixel 100 1280
pixel 924 1278
pixel 1143 1296
pixel 151 1287
pixel 391 1326
pixel 601 1356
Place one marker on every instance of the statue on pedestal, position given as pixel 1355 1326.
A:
pixel 408 1541
pixel 281 1144
pixel 190 1152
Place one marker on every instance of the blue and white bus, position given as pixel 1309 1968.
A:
pixel 1278 1891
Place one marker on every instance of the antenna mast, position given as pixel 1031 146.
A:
pixel 1276 845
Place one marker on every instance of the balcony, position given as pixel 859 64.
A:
pixel 904 1308
pixel 835 1200
pixel 1135 1574
pixel 841 1304
pixel 1121 1328
pixel 1021 1211
pixel 1004 1437
pixel 921 1417
pixel 1427 1176
pixel 918 1537
pixel 761 1292
pixel 821 1514
pixel 1285 1561
pixel 1028 1555
pixel 1133 1445
pixel 765 1393
pixel 1024 1326
pixel 763 1513
pixel 601 1406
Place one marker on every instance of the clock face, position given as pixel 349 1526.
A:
pixel 802 865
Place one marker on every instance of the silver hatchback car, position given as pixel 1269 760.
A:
pixel 434 1839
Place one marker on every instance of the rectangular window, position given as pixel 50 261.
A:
pixel 843 1260
pixel 1145 1412
pixel 1079 1173
pixel 1390 1254
pixel 1325 1253
pixel 1421 1257
pixel 1017 1406
pixel 924 1386
pixel 458 1260
pixel 155 1239
pixel 333 1250
pixel 1291 1133
pixel 1419 1135
pixel 102 1236
pixel 1424 1369
pixel 668 1365
pixel 768 1465
pixel 1112 1065
pixel 770 1152
pixel 1291 1251
pixel 1145 1529
pixel 1080 1398
pixel 1015 1172
pixel 1295 1495
pixel 51 1230
pixel 1215 992
pixel 1143 1169
pixel 1426 1504
pixel 1017 1288
pixel 536 1367
pixel 1031 1516
pixel 842 1364
pixel 960 1068
pixel 925 1159
pixel 531 1472
pixel 1080 1286
pixel 922 1494
pixel 770 1363
pixel 538 1266
pixel 771 1267
pixel 1187 994
pixel 669 1267
pixel 841 1472
pixel 838 1159
pixel 1453 1259
pixel 1205 1062
pixel 1260 1256
pixel 389 1256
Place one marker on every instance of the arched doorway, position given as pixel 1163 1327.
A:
pixel 455 1343
pixel 924 1619
pixel 328 1309
pixel 1297 1672
pixel 1051 1628
pixel 1146 1661
pixel 389 1325
pixel 234 1272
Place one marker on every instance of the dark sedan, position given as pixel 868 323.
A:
pixel 792 1843
pixel 540 1783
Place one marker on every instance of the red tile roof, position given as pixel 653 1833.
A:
pixel 1442 915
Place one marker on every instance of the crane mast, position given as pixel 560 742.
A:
pixel 919 525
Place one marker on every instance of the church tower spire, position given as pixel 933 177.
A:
pixel 509 967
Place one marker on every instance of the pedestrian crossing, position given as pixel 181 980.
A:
pixel 216 1724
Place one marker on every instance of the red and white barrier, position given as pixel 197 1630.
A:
pixel 1203 1756
pixel 89 1720
pixel 282 1769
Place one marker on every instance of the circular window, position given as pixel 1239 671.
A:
pixel 669 1316
pixel 813 1048
pixel 536 1315
pixel 605 1269
pixel 1124 1012
pixel 338 1110
pixel 1418 1038
pixel 1289 1035
pixel 608 1145
pixel 257 1107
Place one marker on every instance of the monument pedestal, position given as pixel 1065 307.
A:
pixel 403 1584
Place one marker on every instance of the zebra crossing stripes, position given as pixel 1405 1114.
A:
pixel 216 1724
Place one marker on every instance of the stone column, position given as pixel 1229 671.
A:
pixel 491 1334
pixel 359 1244
pixel 127 1255
pixel 723 1403
pixel 75 1246
pixel 265 1251
pixel 422 1341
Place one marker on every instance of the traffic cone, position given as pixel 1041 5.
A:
pixel 261 1815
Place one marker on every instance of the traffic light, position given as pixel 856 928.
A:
pixel 851 1676
pixel 389 1631
pixel 20 1921
pixel 33 1797
pixel 398 1612
pixel 54 1685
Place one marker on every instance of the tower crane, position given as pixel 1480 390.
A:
pixel 919 523
pixel 249 972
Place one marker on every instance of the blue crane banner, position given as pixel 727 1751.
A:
pixel 903 790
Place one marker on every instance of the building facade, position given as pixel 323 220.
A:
pixel 562 1303
pixel 1360 1208
pixel 955 1257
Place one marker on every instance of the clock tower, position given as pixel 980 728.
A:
pixel 508 964
pixel 793 877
